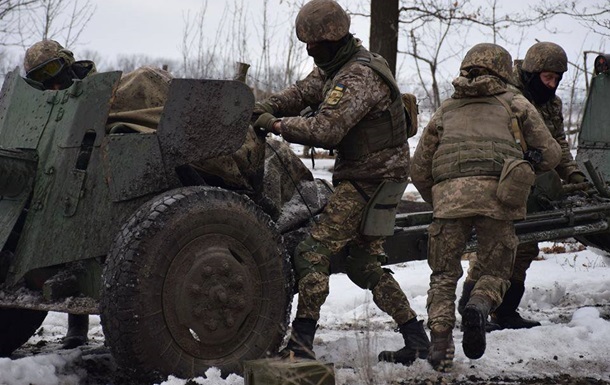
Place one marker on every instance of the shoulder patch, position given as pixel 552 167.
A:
pixel 335 94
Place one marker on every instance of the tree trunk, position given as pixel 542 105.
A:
pixel 384 30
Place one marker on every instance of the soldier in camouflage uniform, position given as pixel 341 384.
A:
pixel 359 113
pixel 537 78
pixel 457 165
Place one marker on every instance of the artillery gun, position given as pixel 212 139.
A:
pixel 184 275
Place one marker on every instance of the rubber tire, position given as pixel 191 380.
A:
pixel 16 327
pixel 158 251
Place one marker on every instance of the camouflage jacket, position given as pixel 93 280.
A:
pixel 355 93
pixel 552 115
pixel 476 195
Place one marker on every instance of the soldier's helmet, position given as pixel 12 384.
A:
pixel 45 51
pixel 545 57
pixel 321 20
pixel 492 57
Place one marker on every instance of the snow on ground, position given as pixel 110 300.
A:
pixel 569 293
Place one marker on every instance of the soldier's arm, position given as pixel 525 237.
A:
pixel 421 162
pixel 536 134
pixel 355 91
pixel 292 100
pixel 567 166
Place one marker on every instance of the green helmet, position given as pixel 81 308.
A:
pixel 545 57
pixel 44 51
pixel 320 20
pixel 490 56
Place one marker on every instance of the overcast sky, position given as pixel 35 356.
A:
pixel 156 27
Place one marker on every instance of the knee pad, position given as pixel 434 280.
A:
pixel 363 268
pixel 311 256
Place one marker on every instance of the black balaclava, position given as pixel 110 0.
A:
pixel 539 92
pixel 325 51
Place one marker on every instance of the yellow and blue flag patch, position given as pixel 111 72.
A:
pixel 335 95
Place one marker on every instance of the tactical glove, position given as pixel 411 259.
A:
pixel 260 108
pixel 265 122
pixel 576 177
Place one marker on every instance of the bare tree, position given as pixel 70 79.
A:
pixel 62 20
pixel 429 28
pixel 594 15
pixel 11 13
pixel 384 30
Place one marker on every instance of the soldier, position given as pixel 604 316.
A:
pixel 54 68
pixel 537 78
pixel 469 164
pixel 358 112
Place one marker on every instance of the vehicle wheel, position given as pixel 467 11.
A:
pixel 196 278
pixel 16 327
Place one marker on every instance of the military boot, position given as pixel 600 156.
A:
pixel 506 315
pixel 442 350
pixel 300 344
pixel 473 324
pixel 416 344
pixel 78 327
pixel 490 325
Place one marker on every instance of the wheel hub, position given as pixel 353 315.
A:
pixel 213 297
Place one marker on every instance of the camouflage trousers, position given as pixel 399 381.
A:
pixel 497 244
pixel 526 253
pixel 336 231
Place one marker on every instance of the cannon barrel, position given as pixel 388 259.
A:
pixel 410 238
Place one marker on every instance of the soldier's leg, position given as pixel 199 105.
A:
pixel 446 243
pixel 506 315
pixel 363 267
pixel 336 226
pixel 497 244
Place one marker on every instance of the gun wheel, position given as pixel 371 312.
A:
pixel 196 278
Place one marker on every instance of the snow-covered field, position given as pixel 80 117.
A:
pixel 568 292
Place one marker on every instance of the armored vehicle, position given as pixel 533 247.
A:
pixel 186 274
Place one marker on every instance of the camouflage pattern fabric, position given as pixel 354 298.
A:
pixel 44 51
pixel 476 195
pixel 552 115
pixel 336 228
pixel 545 56
pixel 138 101
pixel 447 239
pixel 145 87
pixel 321 20
pixel 490 56
pixel 355 93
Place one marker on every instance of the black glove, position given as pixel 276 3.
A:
pixel 264 123
pixel 534 156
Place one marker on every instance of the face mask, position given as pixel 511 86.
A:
pixel 540 93
pixel 323 52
